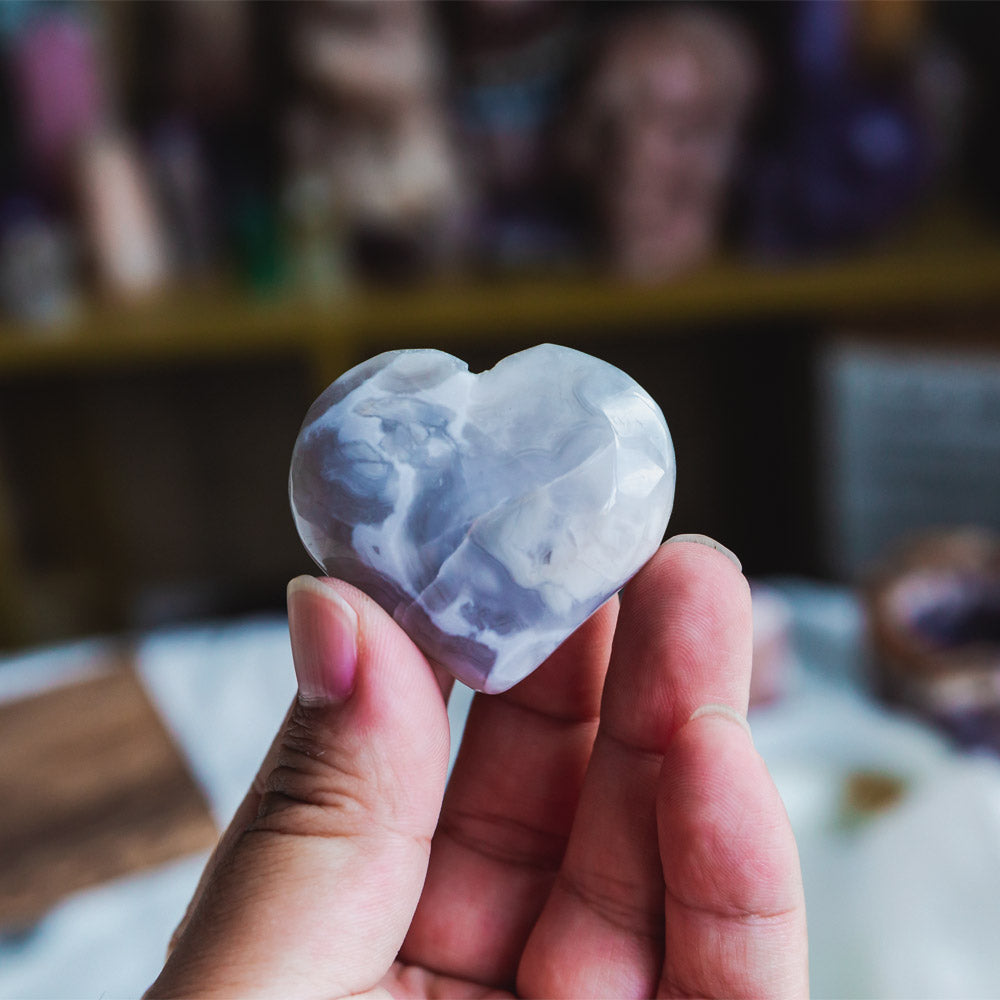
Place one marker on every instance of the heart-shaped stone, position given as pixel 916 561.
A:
pixel 489 514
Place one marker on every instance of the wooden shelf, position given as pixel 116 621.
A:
pixel 222 322
pixel 723 293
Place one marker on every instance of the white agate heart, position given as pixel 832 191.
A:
pixel 489 514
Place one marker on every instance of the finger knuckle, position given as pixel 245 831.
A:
pixel 314 787
pixel 621 903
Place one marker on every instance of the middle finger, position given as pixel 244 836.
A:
pixel 508 811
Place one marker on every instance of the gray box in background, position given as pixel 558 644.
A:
pixel 910 441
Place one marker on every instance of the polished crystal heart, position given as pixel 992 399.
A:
pixel 490 514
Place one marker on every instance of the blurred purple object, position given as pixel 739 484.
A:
pixel 36 266
pixel 857 152
pixel 935 617
pixel 512 63
pixel 180 175
pixel 58 88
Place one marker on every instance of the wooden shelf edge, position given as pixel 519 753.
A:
pixel 220 322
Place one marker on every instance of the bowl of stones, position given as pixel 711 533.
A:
pixel 934 610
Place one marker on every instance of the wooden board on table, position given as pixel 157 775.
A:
pixel 92 788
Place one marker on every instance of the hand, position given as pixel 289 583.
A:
pixel 608 830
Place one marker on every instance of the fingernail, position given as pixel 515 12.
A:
pixel 712 544
pixel 324 633
pixel 723 712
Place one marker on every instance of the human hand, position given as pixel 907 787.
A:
pixel 607 830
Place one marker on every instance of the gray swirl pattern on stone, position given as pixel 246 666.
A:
pixel 490 514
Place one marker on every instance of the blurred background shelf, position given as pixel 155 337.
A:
pixel 220 322
pixel 225 223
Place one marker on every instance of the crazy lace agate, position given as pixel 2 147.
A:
pixel 489 514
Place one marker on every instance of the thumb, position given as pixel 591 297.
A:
pixel 314 895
